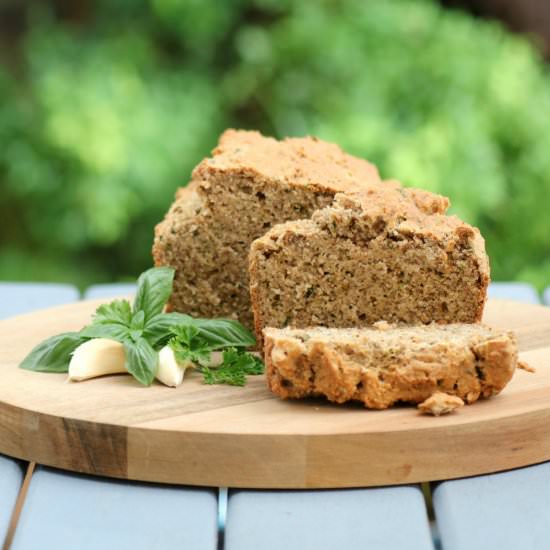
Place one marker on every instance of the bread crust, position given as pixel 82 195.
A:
pixel 306 161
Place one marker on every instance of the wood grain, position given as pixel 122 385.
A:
pixel 245 437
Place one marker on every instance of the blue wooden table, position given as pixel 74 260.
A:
pixel 42 508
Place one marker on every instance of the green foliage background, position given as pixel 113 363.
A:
pixel 102 118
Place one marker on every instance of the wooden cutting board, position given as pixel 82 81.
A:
pixel 245 437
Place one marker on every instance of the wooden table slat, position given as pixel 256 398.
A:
pixel 392 518
pixel 109 290
pixel 520 292
pixel 505 511
pixel 64 510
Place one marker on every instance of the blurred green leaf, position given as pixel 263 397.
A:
pixel 104 113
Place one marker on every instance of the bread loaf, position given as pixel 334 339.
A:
pixel 250 184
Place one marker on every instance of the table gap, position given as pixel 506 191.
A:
pixel 222 516
pixel 19 503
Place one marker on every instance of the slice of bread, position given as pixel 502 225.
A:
pixel 250 184
pixel 386 364
pixel 371 256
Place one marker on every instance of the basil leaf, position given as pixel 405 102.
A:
pixel 219 333
pixel 141 360
pixel 135 335
pixel 117 311
pixel 154 289
pixel 216 333
pixel 138 320
pixel 53 354
pixel 113 331
pixel 158 329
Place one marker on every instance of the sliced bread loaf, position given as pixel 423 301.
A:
pixel 370 256
pixel 250 184
pixel 385 364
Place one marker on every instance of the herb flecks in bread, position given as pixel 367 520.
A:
pixel 384 365
pixel 250 184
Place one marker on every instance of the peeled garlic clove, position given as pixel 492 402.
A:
pixel 216 359
pixel 170 371
pixel 97 357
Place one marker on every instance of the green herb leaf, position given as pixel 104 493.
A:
pixel 141 360
pixel 137 325
pixel 220 333
pixel 117 311
pixel 215 333
pixel 113 331
pixel 243 360
pixel 186 333
pixel 237 364
pixel 154 289
pixel 223 375
pixel 53 354
pixel 158 329
pixel 138 320
pixel 198 352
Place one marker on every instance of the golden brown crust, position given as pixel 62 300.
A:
pixel 428 202
pixel 297 161
pixel 382 367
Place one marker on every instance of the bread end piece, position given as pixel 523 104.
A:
pixel 382 366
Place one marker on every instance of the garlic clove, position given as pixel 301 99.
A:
pixel 171 371
pixel 97 357
pixel 216 359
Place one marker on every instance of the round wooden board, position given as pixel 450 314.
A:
pixel 245 437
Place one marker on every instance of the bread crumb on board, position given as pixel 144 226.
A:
pixel 526 367
pixel 440 403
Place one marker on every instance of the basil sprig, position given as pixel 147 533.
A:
pixel 143 329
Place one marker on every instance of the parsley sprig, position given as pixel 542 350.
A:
pixel 190 343
pixel 236 366
pixel 143 328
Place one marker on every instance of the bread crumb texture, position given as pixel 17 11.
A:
pixel 379 254
pixel 250 184
pixel 381 366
